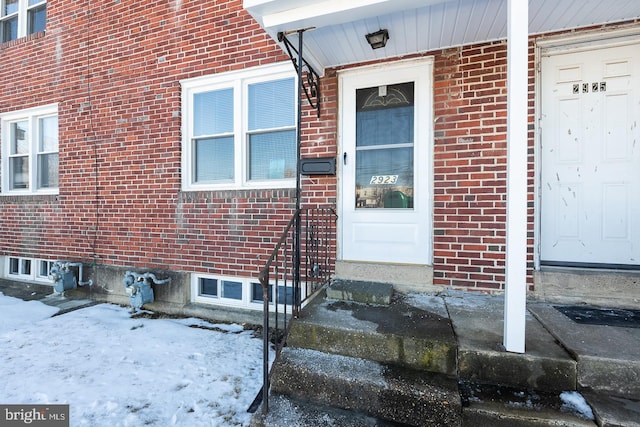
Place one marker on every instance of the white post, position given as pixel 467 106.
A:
pixel 516 257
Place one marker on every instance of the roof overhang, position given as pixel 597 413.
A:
pixel 336 29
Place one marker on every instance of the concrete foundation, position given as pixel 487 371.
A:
pixel 405 277
pixel 582 286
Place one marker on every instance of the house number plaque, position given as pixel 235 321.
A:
pixel 593 87
pixel 384 179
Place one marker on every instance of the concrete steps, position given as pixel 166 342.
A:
pixel 364 292
pixel 380 359
pixel 287 412
pixel 398 334
pixel 498 406
pixel 478 325
pixel 413 361
pixel 505 414
pixel 377 390
pixel 607 357
pixel 612 411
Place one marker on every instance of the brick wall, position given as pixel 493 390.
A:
pixel 114 68
pixel 470 127
pixel 319 139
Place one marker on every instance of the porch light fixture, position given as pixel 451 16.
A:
pixel 378 39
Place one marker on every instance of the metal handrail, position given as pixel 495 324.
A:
pixel 283 271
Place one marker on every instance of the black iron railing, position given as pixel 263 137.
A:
pixel 292 274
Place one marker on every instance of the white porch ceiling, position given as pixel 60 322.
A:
pixel 338 37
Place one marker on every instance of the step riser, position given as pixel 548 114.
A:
pixel 403 351
pixel 607 356
pixel 517 371
pixel 377 394
pixel 473 418
pixel 362 292
pixel 605 376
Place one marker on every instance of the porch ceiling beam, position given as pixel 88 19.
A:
pixel 517 100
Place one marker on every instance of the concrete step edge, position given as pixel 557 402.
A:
pixel 380 391
pixel 494 406
pixel 614 411
pixel 517 370
pixel 496 415
pixel 378 333
pixel 609 376
pixel 289 412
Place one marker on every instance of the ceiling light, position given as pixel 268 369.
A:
pixel 378 39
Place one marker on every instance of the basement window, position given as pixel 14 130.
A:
pixel 219 290
pixel 285 294
pixel 28 269
pixel 241 292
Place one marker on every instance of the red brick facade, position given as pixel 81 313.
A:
pixel 114 68
pixel 470 156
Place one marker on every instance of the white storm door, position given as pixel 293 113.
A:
pixel 386 163
pixel 590 158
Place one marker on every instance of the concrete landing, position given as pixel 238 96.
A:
pixel 65 304
pixel 459 335
pixel 478 324
pixel 607 357
pixel 44 294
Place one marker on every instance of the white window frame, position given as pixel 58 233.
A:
pixel 218 299
pixel 247 301
pixel 23 17
pixel 35 275
pixel 32 116
pixel 239 81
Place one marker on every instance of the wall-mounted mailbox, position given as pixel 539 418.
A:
pixel 318 166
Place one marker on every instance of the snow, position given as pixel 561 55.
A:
pixel 115 370
pixel 573 401
pixel 15 313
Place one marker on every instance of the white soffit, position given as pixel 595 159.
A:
pixel 340 26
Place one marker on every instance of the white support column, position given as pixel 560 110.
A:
pixel 516 257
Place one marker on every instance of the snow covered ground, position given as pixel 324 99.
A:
pixel 114 370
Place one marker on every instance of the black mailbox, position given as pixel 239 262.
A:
pixel 318 166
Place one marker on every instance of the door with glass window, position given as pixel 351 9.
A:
pixel 385 196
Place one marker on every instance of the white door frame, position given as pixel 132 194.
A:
pixel 556 45
pixel 423 144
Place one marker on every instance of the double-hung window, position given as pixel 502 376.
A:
pixel 239 129
pixel 19 18
pixel 30 151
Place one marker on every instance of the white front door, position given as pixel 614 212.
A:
pixel 590 158
pixel 385 128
